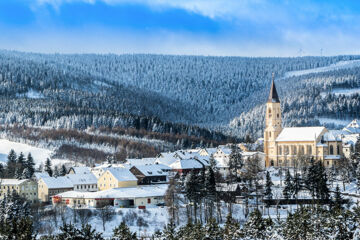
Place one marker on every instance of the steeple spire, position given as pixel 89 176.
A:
pixel 273 96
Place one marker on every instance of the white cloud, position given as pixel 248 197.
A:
pixel 209 8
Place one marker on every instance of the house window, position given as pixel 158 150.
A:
pixel 309 149
pixel 149 200
pixel 280 150
pixel 331 150
pixel 272 163
pixel 269 134
pixel 338 150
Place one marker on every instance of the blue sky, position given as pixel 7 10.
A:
pixel 198 27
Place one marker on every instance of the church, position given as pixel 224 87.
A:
pixel 285 146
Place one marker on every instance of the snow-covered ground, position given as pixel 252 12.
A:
pixel 339 122
pixel 31 94
pixel 39 154
pixel 335 66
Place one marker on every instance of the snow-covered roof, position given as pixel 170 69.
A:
pixel 350 139
pixel 166 158
pixel 8 181
pixel 39 175
pixel 122 174
pixel 332 136
pixel 225 150
pixel 81 170
pixel 210 151
pixel 353 126
pixel 142 161
pixel 87 178
pixel 59 182
pixel 129 192
pixel 291 134
pixel 186 164
pixel 151 170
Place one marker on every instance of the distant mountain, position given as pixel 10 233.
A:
pixel 170 94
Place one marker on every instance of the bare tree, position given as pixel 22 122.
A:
pixel 106 214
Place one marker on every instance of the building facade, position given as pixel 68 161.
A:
pixel 288 146
pixel 26 188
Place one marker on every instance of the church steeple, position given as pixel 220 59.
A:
pixel 273 96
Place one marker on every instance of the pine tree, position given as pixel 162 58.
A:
pixel 123 232
pixel 288 189
pixel 210 190
pixel 212 230
pixel 169 232
pixel 63 170
pixel 30 165
pixel 235 163
pixel 255 226
pixel 11 164
pixel 231 229
pixel 358 177
pixel 296 185
pixel 268 192
pixel 26 174
pixel 337 199
pixel 311 177
pixel 48 167
pixel 56 172
pixel 322 190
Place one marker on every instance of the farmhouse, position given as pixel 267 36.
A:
pixel 116 178
pixel 149 174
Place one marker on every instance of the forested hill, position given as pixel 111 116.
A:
pixel 155 91
pixel 321 96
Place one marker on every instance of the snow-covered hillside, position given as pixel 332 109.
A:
pixel 39 154
pixel 331 67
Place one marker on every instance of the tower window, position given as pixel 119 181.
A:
pixel 269 134
pixel 277 115
pixel 331 150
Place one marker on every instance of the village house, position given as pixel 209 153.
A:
pixel 149 174
pixel 26 188
pixel 50 186
pixel 138 196
pixel 116 178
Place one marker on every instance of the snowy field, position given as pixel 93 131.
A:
pixel 31 94
pixel 39 154
pixel 335 66
pixel 343 91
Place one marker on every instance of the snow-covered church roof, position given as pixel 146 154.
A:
pixel 297 134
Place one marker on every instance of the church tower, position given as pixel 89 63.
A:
pixel 272 126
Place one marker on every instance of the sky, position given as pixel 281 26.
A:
pixel 197 27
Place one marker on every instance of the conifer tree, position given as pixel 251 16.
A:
pixel 337 199
pixel 235 163
pixel 30 165
pixel 56 172
pixel 268 192
pixel 255 226
pixel 11 164
pixel 231 229
pixel 123 232
pixel 63 170
pixel 212 230
pixel 48 167
pixel 169 232
pixel 288 189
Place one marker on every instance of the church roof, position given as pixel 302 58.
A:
pixel 296 134
pixel 273 96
